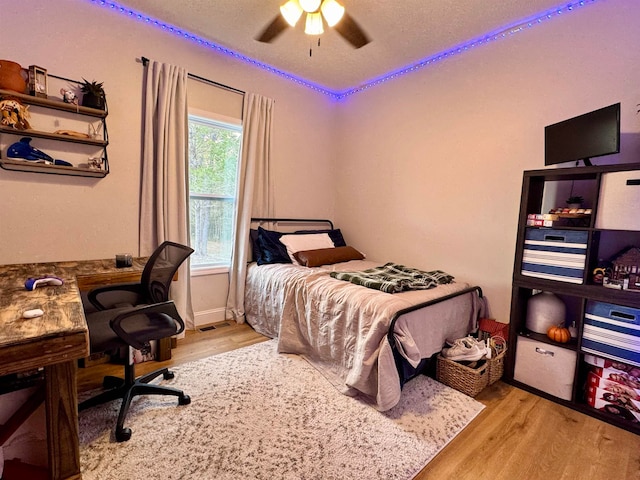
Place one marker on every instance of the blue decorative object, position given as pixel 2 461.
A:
pixel 25 151
pixel 47 280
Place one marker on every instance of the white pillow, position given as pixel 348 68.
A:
pixel 310 241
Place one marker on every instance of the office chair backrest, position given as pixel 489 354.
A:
pixel 160 269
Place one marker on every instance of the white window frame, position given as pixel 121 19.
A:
pixel 233 124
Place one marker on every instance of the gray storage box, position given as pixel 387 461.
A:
pixel 548 368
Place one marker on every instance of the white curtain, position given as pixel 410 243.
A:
pixel 163 198
pixel 255 192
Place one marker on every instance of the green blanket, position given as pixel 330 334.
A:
pixel 394 278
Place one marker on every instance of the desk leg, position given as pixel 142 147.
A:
pixel 61 405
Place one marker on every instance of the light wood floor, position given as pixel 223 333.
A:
pixel 517 436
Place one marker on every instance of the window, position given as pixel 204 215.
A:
pixel 214 154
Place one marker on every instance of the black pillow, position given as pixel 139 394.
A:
pixel 335 236
pixel 253 241
pixel 270 249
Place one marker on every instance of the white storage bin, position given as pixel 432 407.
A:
pixel 548 368
pixel 619 201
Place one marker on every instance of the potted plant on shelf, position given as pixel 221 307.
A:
pixel 93 94
pixel 575 201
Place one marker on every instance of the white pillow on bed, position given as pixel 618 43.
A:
pixel 301 242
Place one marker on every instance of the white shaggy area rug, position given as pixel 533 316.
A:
pixel 257 414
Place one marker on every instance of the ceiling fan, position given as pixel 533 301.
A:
pixel 317 12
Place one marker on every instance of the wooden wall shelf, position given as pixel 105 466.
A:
pixel 19 165
pixel 55 104
pixel 53 136
pixel 28 166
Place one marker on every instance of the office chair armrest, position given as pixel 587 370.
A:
pixel 165 309
pixel 131 293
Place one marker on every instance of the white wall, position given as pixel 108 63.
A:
pixel 424 170
pixel 53 218
pixel 432 162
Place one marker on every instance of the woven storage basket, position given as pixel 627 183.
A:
pixel 470 381
pixel 496 367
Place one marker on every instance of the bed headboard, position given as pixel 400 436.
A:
pixel 284 225
pixel 294 222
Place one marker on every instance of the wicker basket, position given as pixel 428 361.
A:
pixel 470 381
pixel 496 367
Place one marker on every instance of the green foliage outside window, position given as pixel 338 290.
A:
pixel 214 153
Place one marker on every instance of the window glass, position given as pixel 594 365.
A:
pixel 214 155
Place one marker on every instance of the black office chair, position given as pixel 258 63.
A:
pixel 131 315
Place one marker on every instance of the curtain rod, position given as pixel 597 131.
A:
pixel 145 61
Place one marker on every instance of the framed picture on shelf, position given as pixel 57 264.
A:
pixel 37 81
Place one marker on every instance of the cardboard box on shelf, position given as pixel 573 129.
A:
pixel 596 381
pixel 597 361
pixel 595 396
pixel 614 404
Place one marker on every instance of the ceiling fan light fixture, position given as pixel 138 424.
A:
pixel 332 11
pixel 313 25
pixel 291 11
pixel 310 6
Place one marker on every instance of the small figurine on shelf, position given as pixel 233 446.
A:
pixel 95 163
pixel 14 114
pixel 602 270
pixel 69 96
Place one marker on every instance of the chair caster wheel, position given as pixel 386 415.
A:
pixel 168 375
pixel 123 435
pixel 184 400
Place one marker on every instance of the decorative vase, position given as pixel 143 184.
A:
pixel 574 205
pixel 11 76
pixel 93 101
pixel 545 310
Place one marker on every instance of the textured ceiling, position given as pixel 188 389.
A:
pixel 402 32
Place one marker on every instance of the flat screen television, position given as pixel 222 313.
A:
pixel 593 134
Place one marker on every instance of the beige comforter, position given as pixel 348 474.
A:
pixel 341 327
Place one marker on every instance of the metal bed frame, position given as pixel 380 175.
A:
pixel 405 370
pixel 293 220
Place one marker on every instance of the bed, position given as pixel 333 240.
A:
pixel 366 342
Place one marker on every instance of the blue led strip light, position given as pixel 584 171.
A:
pixel 500 34
pixel 218 48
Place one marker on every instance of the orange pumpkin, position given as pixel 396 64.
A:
pixel 559 334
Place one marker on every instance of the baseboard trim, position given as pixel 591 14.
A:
pixel 206 317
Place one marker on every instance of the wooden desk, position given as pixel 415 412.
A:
pixel 54 341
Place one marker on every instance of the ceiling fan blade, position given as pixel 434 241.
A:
pixel 351 31
pixel 275 28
